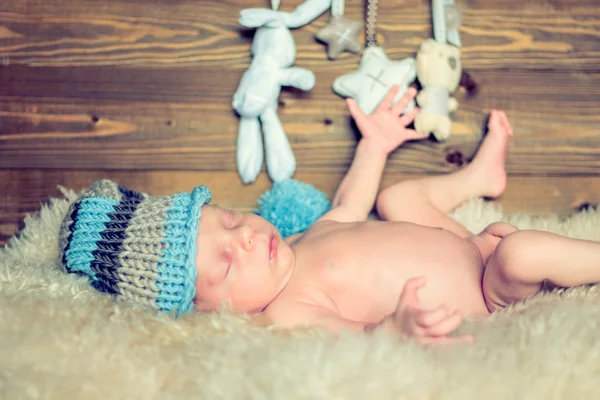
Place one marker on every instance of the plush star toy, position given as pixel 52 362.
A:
pixel 374 77
pixel 340 35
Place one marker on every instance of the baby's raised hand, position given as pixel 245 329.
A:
pixel 425 326
pixel 386 126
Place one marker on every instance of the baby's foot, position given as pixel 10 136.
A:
pixel 489 162
pixel 498 123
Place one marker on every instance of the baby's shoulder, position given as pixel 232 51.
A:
pixel 322 226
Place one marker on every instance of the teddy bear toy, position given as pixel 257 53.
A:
pixel 255 101
pixel 439 72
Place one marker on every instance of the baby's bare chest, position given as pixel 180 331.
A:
pixel 360 269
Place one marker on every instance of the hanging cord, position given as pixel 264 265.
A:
pixel 337 8
pixel 371 35
pixel 438 15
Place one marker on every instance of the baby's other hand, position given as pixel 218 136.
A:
pixel 427 327
pixel 386 126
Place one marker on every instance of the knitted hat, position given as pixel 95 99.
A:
pixel 135 246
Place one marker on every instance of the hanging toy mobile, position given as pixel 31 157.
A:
pixel 446 19
pixel 255 100
pixel 376 73
pixel 439 71
pixel 340 34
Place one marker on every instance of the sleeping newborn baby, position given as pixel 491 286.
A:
pixel 416 272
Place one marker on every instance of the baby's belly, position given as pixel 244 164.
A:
pixel 366 270
pixel 455 283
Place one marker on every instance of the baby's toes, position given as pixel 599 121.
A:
pixel 493 122
pixel 499 123
pixel 506 125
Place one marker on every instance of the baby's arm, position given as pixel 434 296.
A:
pixel 299 314
pixel 409 320
pixel 382 132
pixel 425 326
pixel 356 194
pixel 305 315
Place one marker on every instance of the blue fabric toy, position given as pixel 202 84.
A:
pixel 292 206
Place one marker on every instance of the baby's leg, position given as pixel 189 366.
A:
pixel 487 240
pixel 427 201
pixel 523 260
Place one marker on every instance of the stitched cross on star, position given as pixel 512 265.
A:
pixel 374 77
pixel 340 35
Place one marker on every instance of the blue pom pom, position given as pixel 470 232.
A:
pixel 292 206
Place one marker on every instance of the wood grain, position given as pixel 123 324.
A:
pixel 26 190
pixel 163 33
pixel 140 92
pixel 107 119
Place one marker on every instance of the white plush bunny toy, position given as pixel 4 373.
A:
pixel 274 53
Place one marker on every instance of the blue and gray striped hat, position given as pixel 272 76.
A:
pixel 135 246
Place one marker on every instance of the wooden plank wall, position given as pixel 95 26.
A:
pixel 140 91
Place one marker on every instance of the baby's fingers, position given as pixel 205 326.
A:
pixel 409 297
pixel 429 318
pixel 399 107
pixel 355 111
pixel 445 325
pixel 409 117
pixel 411 134
pixel 386 103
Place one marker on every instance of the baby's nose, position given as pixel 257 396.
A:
pixel 246 236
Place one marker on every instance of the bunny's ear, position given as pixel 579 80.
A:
pixel 427 46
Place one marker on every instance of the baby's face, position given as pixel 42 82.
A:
pixel 242 261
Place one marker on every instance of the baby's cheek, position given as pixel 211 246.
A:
pixel 242 294
pixel 206 290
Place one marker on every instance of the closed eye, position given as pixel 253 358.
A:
pixel 226 264
pixel 229 219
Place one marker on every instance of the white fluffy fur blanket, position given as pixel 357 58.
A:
pixel 61 340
